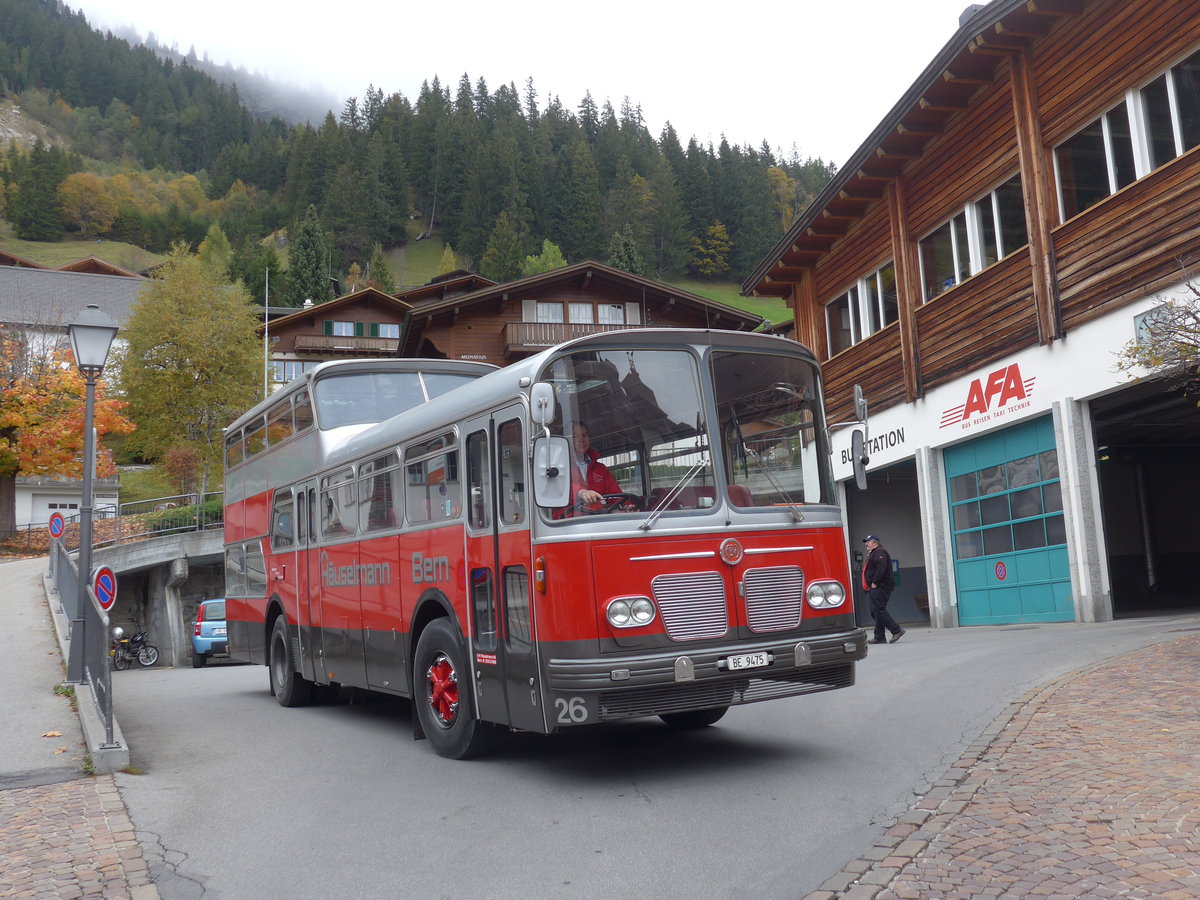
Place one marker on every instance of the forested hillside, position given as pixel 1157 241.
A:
pixel 155 151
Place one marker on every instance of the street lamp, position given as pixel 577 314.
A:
pixel 92 335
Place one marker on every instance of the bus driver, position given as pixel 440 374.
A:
pixel 590 478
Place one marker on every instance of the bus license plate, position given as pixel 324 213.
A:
pixel 748 661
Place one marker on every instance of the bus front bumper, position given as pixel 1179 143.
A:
pixel 680 678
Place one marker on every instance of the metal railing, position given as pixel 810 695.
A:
pixel 97 671
pixel 134 521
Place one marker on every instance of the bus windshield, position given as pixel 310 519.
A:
pixel 772 429
pixel 643 416
pixel 649 443
pixel 358 398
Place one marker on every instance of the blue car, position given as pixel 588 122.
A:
pixel 208 634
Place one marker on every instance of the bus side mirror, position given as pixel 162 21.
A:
pixel 552 471
pixel 858 451
pixel 541 403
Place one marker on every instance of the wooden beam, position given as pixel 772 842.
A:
pixel 925 131
pixel 885 153
pixel 908 291
pixel 1040 209
pixel 999 45
pixel 943 106
pixel 1034 29
pixel 1054 7
pixel 970 80
pixel 587 279
pixel 788 273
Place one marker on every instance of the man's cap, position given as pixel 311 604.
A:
pixel 872 537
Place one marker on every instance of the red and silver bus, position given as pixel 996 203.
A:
pixel 415 527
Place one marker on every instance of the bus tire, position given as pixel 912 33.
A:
pixel 696 718
pixel 289 688
pixel 442 694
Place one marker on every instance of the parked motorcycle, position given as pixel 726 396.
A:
pixel 124 651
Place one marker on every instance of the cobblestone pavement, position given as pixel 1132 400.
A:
pixel 1086 787
pixel 72 839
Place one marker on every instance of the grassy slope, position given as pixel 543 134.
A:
pixel 58 253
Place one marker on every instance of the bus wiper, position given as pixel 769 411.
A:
pixel 765 466
pixel 670 496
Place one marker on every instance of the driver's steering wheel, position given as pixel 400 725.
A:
pixel 614 501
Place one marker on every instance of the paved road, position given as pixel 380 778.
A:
pixel 241 798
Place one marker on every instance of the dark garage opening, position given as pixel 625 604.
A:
pixel 1147 437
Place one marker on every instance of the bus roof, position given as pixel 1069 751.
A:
pixel 350 366
pixel 512 381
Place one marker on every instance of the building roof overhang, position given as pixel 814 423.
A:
pixel 967 62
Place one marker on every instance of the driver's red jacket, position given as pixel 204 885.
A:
pixel 599 479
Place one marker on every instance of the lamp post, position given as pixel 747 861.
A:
pixel 91 334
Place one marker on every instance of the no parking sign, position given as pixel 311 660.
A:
pixel 104 583
pixel 57 525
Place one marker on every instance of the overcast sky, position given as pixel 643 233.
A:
pixel 817 76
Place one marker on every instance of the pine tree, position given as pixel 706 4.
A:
pixel 502 259
pixel 580 224
pixel 623 252
pixel 307 276
pixel 550 258
pixel 380 273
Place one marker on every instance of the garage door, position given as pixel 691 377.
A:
pixel 1010 553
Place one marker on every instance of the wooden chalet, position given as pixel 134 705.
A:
pixel 976 266
pixel 499 323
pixel 365 323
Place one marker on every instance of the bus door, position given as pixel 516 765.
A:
pixel 308 582
pixel 503 633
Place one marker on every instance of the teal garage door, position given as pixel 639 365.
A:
pixel 1010 553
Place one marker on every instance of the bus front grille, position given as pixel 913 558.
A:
pixel 692 605
pixel 774 598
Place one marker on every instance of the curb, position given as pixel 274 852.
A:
pixel 104 759
pixel 873 872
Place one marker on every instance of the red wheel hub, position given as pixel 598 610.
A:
pixel 442 689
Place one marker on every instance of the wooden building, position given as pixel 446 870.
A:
pixel 500 323
pixel 976 266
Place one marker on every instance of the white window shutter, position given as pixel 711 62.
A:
pixel 528 310
pixel 633 314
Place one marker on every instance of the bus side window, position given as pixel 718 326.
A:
pixel 234 451
pixel 512 473
pixel 479 486
pixel 337 504
pixel 302 412
pixel 485 608
pixel 281 520
pixel 519 636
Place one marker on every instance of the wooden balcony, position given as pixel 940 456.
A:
pixel 363 346
pixel 526 337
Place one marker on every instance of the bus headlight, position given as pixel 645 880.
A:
pixel 826 594
pixel 629 612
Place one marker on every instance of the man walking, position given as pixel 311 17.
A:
pixel 878 583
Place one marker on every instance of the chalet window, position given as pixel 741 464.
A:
pixel 857 314
pixel 385 329
pixel 982 233
pixel 1151 126
pixel 610 313
pixel 581 313
pixel 287 369
pixel 342 329
pixel 549 312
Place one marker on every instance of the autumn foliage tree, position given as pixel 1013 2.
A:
pixel 85 203
pixel 190 363
pixel 41 420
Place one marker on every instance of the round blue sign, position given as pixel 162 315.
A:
pixel 57 525
pixel 104 583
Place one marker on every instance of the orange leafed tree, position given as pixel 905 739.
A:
pixel 41 421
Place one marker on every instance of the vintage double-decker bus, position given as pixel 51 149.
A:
pixel 634 523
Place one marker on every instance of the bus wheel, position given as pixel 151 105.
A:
pixel 286 684
pixel 696 718
pixel 442 694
